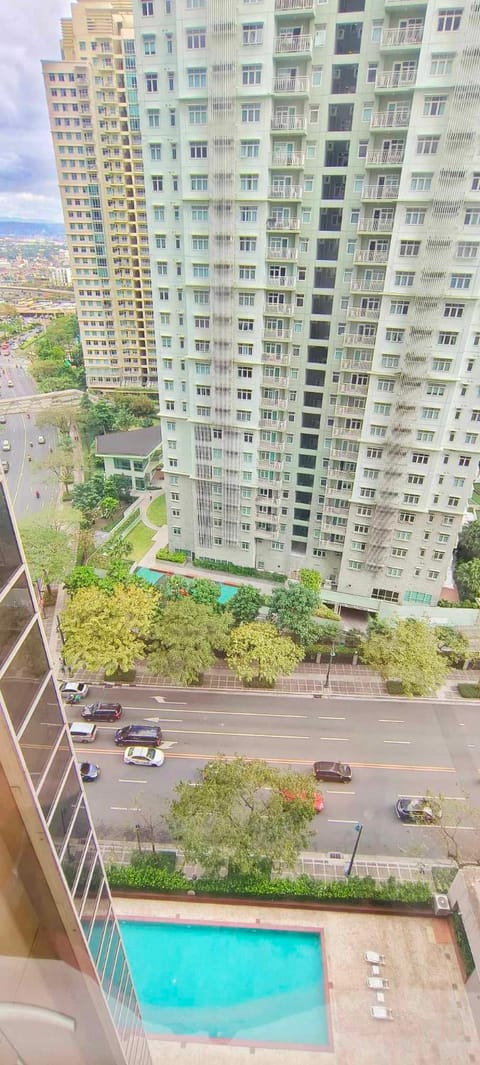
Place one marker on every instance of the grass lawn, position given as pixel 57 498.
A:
pixel 157 511
pixel 140 537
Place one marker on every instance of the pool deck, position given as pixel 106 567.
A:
pixel 432 1021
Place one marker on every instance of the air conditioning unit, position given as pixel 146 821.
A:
pixel 441 906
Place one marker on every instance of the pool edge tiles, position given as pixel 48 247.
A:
pixel 322 1015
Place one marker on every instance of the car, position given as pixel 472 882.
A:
pixel 6 446
pixel 9 384
pixel 102 712
pixel 5 465
pixel 3 420
pixel 41 439
pixel 82 732
pixel 74 687
pixel 89 771
pixel 141 735
pixel 318 803
pixel 332 771
pixel 416 810
pixel 143 756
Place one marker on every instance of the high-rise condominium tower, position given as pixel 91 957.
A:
pixel 66 994
pixel 92 102
pixel 312 176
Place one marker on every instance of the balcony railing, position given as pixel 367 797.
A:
pixel 278 308
pixel 289 42
pixel 371 257
pixel 380 192
pixel 354 340
pixel 294 5
pixel 288 85
pixel 347 389
pixel 278 382
pixel 390 120
pixel 278 332
pixel 267 464
pixel 288 281
pixel 291 225
pixel 277 404
pixel 285 192
pixel 372 314
pixel 362 285
pixel 345 456
pixel 379 157
pixel 288 159
pixel 282 253
pixel 272 423
pixel 290 122
pixel 402 38
pixel 370 224
pixel 395 79
pixel 271 359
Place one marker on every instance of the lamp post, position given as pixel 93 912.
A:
pixel 330 660
pixel 349 867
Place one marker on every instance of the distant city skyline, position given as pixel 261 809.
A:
pixel 28 181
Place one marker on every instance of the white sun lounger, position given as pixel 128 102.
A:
pixel 377 983
pixel 381 1013
pixel 373 958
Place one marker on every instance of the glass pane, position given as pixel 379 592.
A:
pixel 10 558
pixel 97 902
pixel 77 842
pixel 65 808
pixel 42 732
pixel 16 610
pixel 23 677
pixel 48 791
pixel 99 939
pixel 89 859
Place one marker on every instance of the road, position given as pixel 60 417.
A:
pixel 394 747
pixel 25 476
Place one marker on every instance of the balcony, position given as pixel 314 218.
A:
pixel 350 434
pixel 358 340
pixel 273 423
pixel 371 224
pixel 371 257
pixel 369 313
pixel 410 37
pixel 344 456
pixel 280 123
pixel 390 119
pixel 353 364
pixel 291 85
pixel 274 404
pixel 379 157
pixel 395 79
pixel 278 308
pixel 298 44
pixel 285 192
pixel 277 382
pixel 380 192
pixel 288 159
pixel 282 253
pixel 287 281
pixel 289 225
pixel 267 464
pixel 362 285
pixel 349 411
pixel 274 359
pixel 347 389
pixel 294 5
pixel 276 330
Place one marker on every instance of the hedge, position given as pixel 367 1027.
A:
pixel 171 556
pixel 240 571
pixel 150 877
pixel 469 691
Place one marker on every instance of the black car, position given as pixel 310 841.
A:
pixel 417 811
pixel 102 712
pixel 336 772
pixel 89 771
pixel 138 736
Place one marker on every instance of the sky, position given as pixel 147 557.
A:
pixel 29 32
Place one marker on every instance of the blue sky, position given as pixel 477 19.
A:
pixel 29 32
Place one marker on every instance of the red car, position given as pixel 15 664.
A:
pixel 318 802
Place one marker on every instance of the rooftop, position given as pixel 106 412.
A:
pixel 133 442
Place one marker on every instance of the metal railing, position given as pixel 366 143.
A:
pixel 286 43
pixel 401 37
pixel 390 119
pixel 296 84
pixel 285 192
pixel 290 122
pixel 291 224
pixel 395 79
pixel 288 159
pixel 377 156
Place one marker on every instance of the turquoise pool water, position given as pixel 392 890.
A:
pixel 250 985
pixel 226 591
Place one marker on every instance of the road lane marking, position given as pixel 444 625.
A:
pixel 130 780
pixel 175 720
pixel 455 798
pixel 391 720
pixel 126 809
pixel 337 739
pixel 340 821
pixel 224 713
pixel 333 791
pixel 248 735
pixel 161 699
pixel 328 718
pixel 398 741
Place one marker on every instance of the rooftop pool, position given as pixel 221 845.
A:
pixel 248 985
pixel 153 576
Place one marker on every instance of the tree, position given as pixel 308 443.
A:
pixel 174 587
pixel 256 653
pixel 246 603
pixel 309 578
pixel 408 653
pixel 48 548
pixel 107 505
pixel 467 577
pixel 453 643
pixel 291 612
pixel 237 817
pixel 61 462
pixel 459 846
pixel 140 405
pixel 203 590
pixel 107 630
pixel 81 577
pixel 61 418
pixel 86 496
pixel 183 640
pixel 468 546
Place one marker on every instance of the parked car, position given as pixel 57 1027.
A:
pixel 141 735
pixel 9 384
pixel 41 439
pixel 89 771
pixel 5 465
pixel 3 420
pixel 74 687
pixel 102 712
pixel 417 811
pixel 143 756
pixel 82 732
pixel 332 771
pixel 318 803
pixel 6 446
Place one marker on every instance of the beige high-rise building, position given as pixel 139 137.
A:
pixel 92 102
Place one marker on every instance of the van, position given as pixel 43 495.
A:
pixel 5 465
pixel 337 772
pixel 138 736
pixel 102 712
pixel 81 732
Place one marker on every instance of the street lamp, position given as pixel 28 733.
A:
pixel 349 867
pixel 332 656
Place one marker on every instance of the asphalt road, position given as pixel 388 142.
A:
pixel 394 747
pixel 25 476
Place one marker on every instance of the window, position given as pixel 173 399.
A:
pixel 414 218
pixel 197 78
pixel 448 339
pixel 453 501
pixel 199 183
pixel 198 149
pixel 472 218
pixel 384 385
pixel 399 307
pixel 421 182
pixel 249 149
pixel 404 279
pixel 246 299
pixel 245 325
pixel 430 414
pixel 157 183
pixel 395 336
pixel 441 64
pixel 197 116
pixel 409 247
pixel 427 145
pixel 434 105
pixel 252 74
pixel 467 249
pixel 317 75
pixel 151 82
pixel 155 152
pixel 250 113
pixel 460 281
pixel 200 270
pixel 196 39
pixel 147 7
pixel 200 214
pixel 153 119
pixel 464 460
pixel 247 273
pixel 252 33
pixel 449 18
pixel 249 182
pixel 162 269
pixel 441 365
pixel 201 323
pixel 248 214
pixel 248 243
pixel 160 241
pixel 453 310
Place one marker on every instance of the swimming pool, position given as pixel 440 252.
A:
pixel 153 576
pixel 250 985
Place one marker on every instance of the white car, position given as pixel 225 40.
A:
pixel 9 384
pixel 6 446
pixel 41 439
pixel 143 756
pixel 74 687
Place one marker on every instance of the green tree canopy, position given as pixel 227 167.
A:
pixel 238 818
pixel 61 462
pixel 291 612
pixel 469 542
pixel 246 603
pixel 256 652
pixel 467 577
pixel 81 577
pixel 203 590
pixel 454 644
pixel 48 547
pixel 107 629
pixel 408 652
pixel 183 639
pixel 309 578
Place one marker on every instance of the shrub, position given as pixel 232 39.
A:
pixel 323 611
pixel 120 676
pixel 171 556
pixel 157 859
pixel 463 944
pixel 394 687
pixel 241 571
pixel 469 691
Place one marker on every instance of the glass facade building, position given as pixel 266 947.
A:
pixel 66 993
